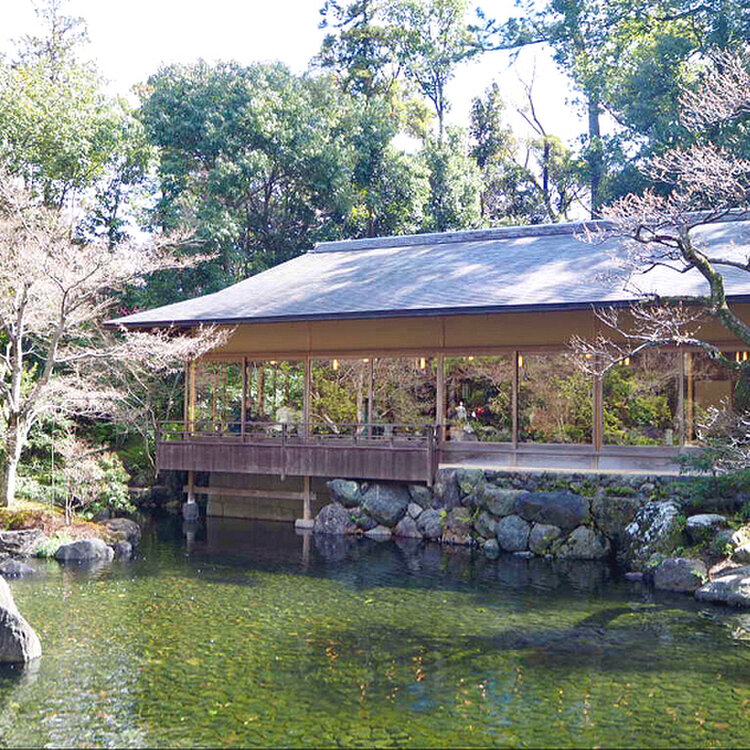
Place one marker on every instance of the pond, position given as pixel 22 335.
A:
pixel 251 635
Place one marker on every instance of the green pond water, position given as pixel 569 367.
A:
pixel 251 635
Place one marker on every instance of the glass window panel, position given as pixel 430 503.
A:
pixel 555 400
pixel 218 390
pixel 405 390
pixel 275 391
pixel 340 393
pixel 707 384
pixel 641 400
pixel 478 392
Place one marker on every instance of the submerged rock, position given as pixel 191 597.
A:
pixel 123 550
pixel 682 574
pixel 345 491
pixel 564 509
pixel 18 641
pixel 84 550
pixel 379 533
pixel 16 569
pixel 732 587
pixel 512 533
pixel 584 543
pixel 491 549
pixel 386 503
pixel 22 543
pixel 332 519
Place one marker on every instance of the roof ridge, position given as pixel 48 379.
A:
pixel 445 238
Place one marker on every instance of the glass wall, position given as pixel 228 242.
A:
pixel 218 395
pixel 707 385
pixel 275 391
pixel 340 393
pixel 405 390
pixel 555 400
pixel 641 400
pixel 479 394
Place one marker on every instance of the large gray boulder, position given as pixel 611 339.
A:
pixel 407 528
pixel 84 550
pixel 445 489
pixel 126 529
pixel 497 501
pixel 386 503
pixel 333 519
pixel 22 543
pixel 512 533
pixel 655 528
pixel 485 525
pixel 732 587
pixel 491 549
pixel 469 479
pixel 704 526
pixel 584 543
pixel 18 641
pixel 612 514
pixel 420 495
pixel 380 533
pixel 682 574
pixel 564 509
pixel 345 491
pixel 123 550
pixel 542 537
pixel 430 524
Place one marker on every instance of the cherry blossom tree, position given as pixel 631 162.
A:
pixel 55 292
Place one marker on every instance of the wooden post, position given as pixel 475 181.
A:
pixel 514 403
pixel 440 392
pixel 306 500
pixel 186 397
pixel 690 405
pixel 243 417
pixel 192 398
pixel 597 432
pixel 370 394
pixel 681 399
pixel 307 398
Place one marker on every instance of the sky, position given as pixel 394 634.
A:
pixel 130 40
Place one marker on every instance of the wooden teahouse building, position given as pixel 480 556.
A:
pixel 386 358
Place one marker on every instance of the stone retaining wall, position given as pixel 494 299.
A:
pixel 563 515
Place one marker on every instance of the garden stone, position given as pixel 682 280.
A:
pixel 633 576
pixel 512 533
pixel 413 510
pixel 491 549
pixel 485 525
pixel 16 569
pixel 21 543
pixel 655 528
pixel 704 526
pixel 386 503
pixel 332 519
pixel 84 550
pixel 457 529
pixel 361 520
pixel 681 574
pixel 524 554
pixel 445 491
pixel 498 501
pixel 558 508
pixel 18 641
pixel 584 543
pixel 542 536
pixel 379 533
pixel 420 495
pixel 742 554
pixel 407 527
pixel 612 514
pixel 123 550
pixel 731 588
pixel 469 479
pixel 430 524
pixel 124 526
pixel 345 491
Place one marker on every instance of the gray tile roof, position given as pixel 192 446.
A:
pixel 538 267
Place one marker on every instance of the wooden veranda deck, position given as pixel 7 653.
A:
pixel 404 453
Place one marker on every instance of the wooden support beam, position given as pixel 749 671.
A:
pixel 440 393
pixel 259 494
pixel 307 398
pixel 243 418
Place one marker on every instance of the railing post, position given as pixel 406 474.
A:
pixel 283 451
pixel 430 456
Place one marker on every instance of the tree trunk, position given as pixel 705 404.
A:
pixel 9 467
pixel 594 153
pixel 742 392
